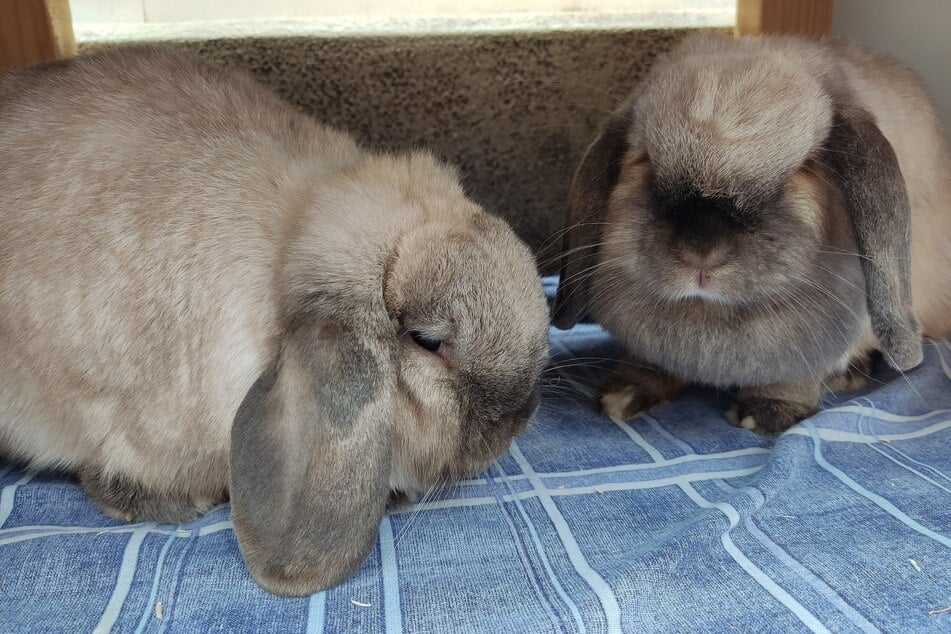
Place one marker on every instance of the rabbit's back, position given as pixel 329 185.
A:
pixel 142 201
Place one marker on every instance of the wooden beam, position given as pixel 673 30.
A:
pixel 34 31
pixel 791 17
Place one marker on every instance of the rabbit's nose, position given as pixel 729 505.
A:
pixel 705 259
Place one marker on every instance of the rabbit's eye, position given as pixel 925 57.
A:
pixel 427 343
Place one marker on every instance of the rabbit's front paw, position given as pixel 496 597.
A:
pixel 767 415
pixel 633 390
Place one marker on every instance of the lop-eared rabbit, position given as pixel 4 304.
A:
pixel 204 291
pixel 761 213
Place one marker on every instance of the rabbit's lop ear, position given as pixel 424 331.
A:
pixel 587 205
pixel 878 207
pixel 310 460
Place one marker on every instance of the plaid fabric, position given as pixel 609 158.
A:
pixel 674 521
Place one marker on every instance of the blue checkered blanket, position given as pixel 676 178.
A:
pixel 674 521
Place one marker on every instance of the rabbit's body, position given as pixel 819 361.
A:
pixel 192 250
pixel 177 245
pixel 742 222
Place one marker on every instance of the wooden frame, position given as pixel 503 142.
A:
pixel 793 17
pixel 34 31
pixel 42 30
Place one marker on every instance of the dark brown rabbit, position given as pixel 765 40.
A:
pixel 761 214
pixel 203 290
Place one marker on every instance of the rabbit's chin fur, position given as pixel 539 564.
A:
pixel 205 293
pixel 762 213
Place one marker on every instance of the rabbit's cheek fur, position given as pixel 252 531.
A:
pixel 467 438
pixel 421 448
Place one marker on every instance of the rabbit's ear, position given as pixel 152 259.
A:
pixel 878 208
pixel 310 460
pixel 587 206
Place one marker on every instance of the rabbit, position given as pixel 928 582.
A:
pixel 761 214
pixel 204 293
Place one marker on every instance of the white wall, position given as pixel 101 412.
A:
pixel 150 11
pixel 918 32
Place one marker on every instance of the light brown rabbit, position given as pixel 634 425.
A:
pixel 203 290
pixel 762 213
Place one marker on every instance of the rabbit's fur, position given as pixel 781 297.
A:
pixel 203 291
pixel 762 213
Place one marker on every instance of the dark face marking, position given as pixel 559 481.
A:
pixel 671 230
pixel 491 396
pixel 498 410
pixel 698 221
